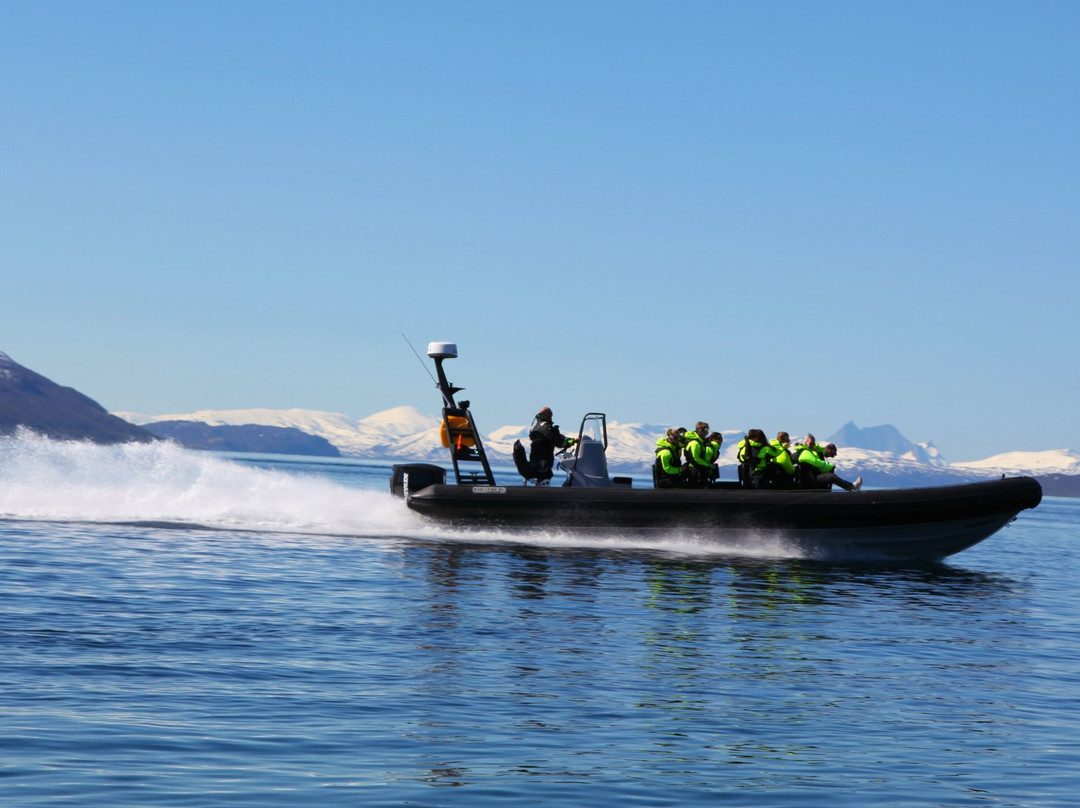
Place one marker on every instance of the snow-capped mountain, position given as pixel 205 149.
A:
pixel 403 433
pixel 1057 461
pixel 382 435
pixel 882 455
pixel 886 438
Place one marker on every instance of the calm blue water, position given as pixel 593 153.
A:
pixel 312 643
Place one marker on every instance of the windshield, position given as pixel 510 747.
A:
pixel 594 427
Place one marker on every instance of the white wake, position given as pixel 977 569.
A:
pixel 47 480
pixel 162 483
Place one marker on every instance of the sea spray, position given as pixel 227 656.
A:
pixel 43 479
pixel 164 484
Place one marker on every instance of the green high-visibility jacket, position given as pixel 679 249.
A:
pixel 811 457
pixel 817 449
pixel 712 451
pixel 781 457
pixel 668 455
pixel 764 452
pixel 696 452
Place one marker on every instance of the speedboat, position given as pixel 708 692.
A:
pixel 910 524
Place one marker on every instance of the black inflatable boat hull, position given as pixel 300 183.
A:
pixel 914 523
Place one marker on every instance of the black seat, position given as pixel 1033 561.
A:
pixel 527 469
pixel 807 477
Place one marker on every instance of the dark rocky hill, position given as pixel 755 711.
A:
pixel 30 400
pixel 1060 485
pixel 247 438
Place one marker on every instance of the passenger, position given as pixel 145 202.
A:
pixel 668 470
pixel 804 474
pixel 696 454
pixel 753 456
pixel 783 441
pixel 780 471
pixel 546 438
pixel 815 470
pixel 807 443
pixel 712 446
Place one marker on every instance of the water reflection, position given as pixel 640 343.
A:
pixel 515 671
pixel 536 572
pixel 721 660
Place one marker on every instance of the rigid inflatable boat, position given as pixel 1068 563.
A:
pixel 903 524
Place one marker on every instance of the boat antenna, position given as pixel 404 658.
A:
pixel 418 359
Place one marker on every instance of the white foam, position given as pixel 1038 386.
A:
pixel 683 544
pixel 42 479
pixel 161 482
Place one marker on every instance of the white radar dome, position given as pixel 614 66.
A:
pixel 442 350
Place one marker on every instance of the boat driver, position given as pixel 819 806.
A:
pixel 546 438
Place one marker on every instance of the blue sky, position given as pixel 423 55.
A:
pixel 776 215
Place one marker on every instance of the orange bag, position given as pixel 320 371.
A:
pixel 456 422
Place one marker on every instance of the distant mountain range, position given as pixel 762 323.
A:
pixel 881 454
pixel 244 438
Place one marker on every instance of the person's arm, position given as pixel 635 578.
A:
pixel 698 454
pixel 811 458
pixel 557 438
pixel 783 460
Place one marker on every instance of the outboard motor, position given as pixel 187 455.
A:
pixel 409 477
